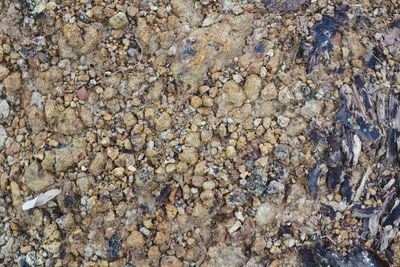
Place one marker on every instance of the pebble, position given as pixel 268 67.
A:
pixel 170 261
pixel 265 214
pixel 232 97
pixel 269 92
pixel 195 101
pixel 163 122
pixel 3 72
pixel 4 109
pixel 98 163
pixel 283 121
pixel 82 94
pixel 234 227
pixel 70 155
pixel 12 82
pixel 135 240
pixel 189 155
pixel 252 87
pixel 209 185
pixel 311 109
pixel 119 20
pixel 35 179
pixel 69 123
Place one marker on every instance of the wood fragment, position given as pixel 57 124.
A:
pixel 362 185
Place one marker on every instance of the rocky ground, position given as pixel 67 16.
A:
pixel 199 133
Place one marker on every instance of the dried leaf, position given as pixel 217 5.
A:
pixel 394 216
pixel 362 185
pixel 356 149
pixel 346 190
pixel 334 176
pixel 313 181
pixel 41 199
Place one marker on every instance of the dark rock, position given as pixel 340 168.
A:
pixel 114 246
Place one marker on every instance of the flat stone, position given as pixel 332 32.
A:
pixel 13 82
pixel 232 97
pixel 119 20
pixel 135 240
pixel 163 122
pixel 269 92
pixel 311 109
pixel 3 72
pixel 170 261
pixel 98 163
pixel 35 179
pixel 252 87
pixel 4 109
pixel 189 155
pixel 69 123
pixel 265 214
pixel 70 155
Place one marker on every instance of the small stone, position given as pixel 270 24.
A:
pixel 135 240
pixel 252 87
pixel 163 122
pixel 232 97
pixel 35 180
pixel 193 139
pixel 98 163
pixel 234 227
pixel 209 185
pixel 3 136
pixel 83 183
pixel 189 155
pixel 118 172
pixel 265 214
pixel 3 72
pixel 112 153
pixel 4 109
pixel 345 52
pixel 311 109
pixel 13 82
pixel 53 143
pixel 86 116
pixel 132 11
pixel 170 261
pixel 52 236
pixel 275 250
pixel 197 180
pixel 129 120
pixel 195 101
pixel 285 96
pixel 269 92
pixel 109 93
pixel 36 120
pixel 82 94
pixel 237 78
pixel 154 252
pixel 171 211
pixel 70 155
pixel 119 20
pixel 230 152
pixel 283 121
pixel 69 123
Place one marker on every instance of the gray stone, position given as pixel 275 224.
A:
pixel 4 109
pixel 265 214
pixel 3 136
